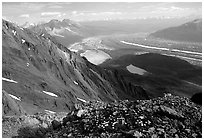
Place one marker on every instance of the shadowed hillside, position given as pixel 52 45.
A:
pixel 162 73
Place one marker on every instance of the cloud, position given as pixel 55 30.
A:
pixel 60 15
pixel 171 9
pixel 94 14
pixel 104 13
pixel 176 8
pixel 50 13
pixel 24 16
pixel 163 8
pixel 74 12
pixel 81 14
pixel 55 7
pixel 30 6
pixel 110 13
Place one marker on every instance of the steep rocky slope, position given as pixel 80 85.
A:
pixel 39 74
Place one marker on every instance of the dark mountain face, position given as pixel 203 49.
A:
pixel 40 74
pixel 158 74
pixel 189 32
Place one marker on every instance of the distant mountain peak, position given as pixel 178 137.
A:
pixel 66 20
pixel 197 21
pixel 188 32
pixel 54 21
pixel 27 25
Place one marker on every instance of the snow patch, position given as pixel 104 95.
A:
pixel 9 80
pixel 42 34
pixel 70 30
pixel 189 52
pixel 160 48
pixel 73 50
pixel 50 111
pixel 144 46
pixel 58 35
pixel 75 83
pixel 140 53
pixel 14 32
pixel 29 49
pixel 22 40
pixel 62 53
pixel 81 100
pixel 75 47
pixel 50 93
pixel 27 64
pixel 14 97
pixel 96 56
pixel 21 28
pixel 6 27
pixel 135 70
pixel 32 24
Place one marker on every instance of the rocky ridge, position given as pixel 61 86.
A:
pixel 163 117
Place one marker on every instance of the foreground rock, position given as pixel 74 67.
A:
pixel 30 126
pixel 167 117
pixel 197 98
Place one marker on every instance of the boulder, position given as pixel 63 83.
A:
pixel 81 112
pixel 56 124
pixel 137 134
pixel 197 98
pixel 167 111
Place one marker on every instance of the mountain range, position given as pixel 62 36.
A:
pixel 40 74
pixel 188 32
pixel 68 32
pixel 51 85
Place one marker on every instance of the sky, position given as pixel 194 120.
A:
pixel 21 12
